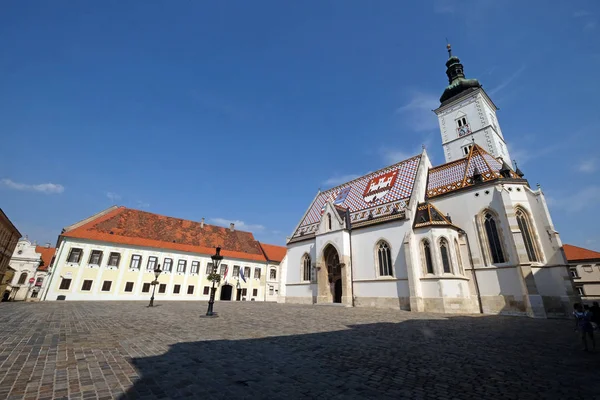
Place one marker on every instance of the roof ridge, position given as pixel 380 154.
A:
pixel 373 172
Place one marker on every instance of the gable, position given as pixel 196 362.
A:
pixel 376 194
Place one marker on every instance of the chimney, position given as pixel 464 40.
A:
pixel 232 227
pixel 47 245
pixel 202 223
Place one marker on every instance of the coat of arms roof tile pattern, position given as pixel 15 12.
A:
pixel 382 192
pixel 458 174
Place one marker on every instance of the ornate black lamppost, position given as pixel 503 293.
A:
pixel 157 272
pixel 216 260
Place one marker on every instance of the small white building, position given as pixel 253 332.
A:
pixel 276 261
pixel 112 256
pixel 466 236
pixel 584 265
pixel 30 263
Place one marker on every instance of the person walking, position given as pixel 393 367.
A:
pixel 583 324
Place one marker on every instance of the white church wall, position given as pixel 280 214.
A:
pixel 296 289
pixel 364 253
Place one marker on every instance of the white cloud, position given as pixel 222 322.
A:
pixel 581 13
pixel 418 111
pixel 47 188
pixel 590 165
pixel 576 201
pixel 241 225
pixel 113 196
pixel 507 81
pixel 444 7
pixel 142 204
pixel 392 156
pixel 339 179
pixel 590 26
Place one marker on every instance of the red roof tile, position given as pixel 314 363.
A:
pixel 574 253
pixel 140 228
pixel 47 254
pixel 274 253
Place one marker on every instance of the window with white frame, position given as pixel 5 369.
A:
pixel 247 272
pixel 236 270
pixel 75 255
pixel 167 264
pixel 195 267
pixel 95 257
pixel 181 265
pixel 574 273
pixel 209 268
pixel 384 259
pixel 273 274
pixel 223 269
pixel 256 273
pixel 151 266
pixel 136 261
pixel 114 259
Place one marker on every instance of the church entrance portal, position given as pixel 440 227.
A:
pixel 226 292
pixel 334 272
pixel 337 291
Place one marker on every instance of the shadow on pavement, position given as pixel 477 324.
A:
pixel 457 357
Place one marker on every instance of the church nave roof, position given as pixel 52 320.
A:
pixel 382 193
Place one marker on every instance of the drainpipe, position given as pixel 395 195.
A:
pixel 474 271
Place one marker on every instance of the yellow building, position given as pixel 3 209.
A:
pixel 584 265
pixel 113 254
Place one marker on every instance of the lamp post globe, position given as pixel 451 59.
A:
pixel 157 272
pixel 216 260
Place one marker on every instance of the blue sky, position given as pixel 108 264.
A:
pixel 240 111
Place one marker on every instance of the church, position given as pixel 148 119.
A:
pixel 467 236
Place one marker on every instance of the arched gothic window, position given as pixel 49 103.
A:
pixel 22 278
pixel 458 258
pixel 328 221
pixel 493 238
pixel 427 256
pixel 445 257
pixel 306 268
pixel 527 234
pixel 384 258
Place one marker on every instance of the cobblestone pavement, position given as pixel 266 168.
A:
pixel 106 350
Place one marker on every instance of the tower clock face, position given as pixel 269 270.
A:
pixel 463 130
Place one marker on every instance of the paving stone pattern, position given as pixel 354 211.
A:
pixel 104 350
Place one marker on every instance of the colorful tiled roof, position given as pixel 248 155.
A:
pixel 458 174
pixel 140 228
pixel 378 193
pixel 47 255
pixel 574 253
pixel 429 215
pixel 274 253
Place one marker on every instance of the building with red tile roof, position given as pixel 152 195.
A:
pixel 584 265
pixel 112 255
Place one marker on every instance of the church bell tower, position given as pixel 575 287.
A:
pixel 467 115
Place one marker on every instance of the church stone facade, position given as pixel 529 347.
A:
pixel 466 236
